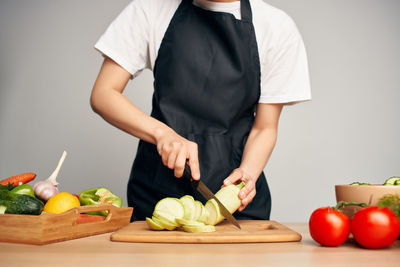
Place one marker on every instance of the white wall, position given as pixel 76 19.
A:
pixel 350 131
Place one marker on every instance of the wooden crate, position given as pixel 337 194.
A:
pixel 49 228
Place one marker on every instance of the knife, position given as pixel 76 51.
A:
pixel 207 194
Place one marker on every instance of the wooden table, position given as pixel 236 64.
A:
pixel 100 251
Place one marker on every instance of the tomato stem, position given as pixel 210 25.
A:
pixel 341 204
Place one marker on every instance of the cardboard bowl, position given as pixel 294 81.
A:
pixel 368 194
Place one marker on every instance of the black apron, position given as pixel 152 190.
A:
pixel 206 88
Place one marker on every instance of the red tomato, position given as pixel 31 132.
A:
pixel 329 227
pixel 375 227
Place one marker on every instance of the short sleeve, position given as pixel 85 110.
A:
pixel 126 40
pixel 285 75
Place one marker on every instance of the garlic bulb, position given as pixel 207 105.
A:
pixel 48 188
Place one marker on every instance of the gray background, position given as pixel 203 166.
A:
pixel 350 131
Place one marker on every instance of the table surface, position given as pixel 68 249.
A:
pixel 100 251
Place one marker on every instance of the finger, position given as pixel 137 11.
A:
pixel 194 162
pixel 236 175
pixel 246 189
pixel 173 154
pixel 247 200
pixel 180 163
pixel 165 150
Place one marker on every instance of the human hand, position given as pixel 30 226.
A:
pixel 175 150
pixel 248 191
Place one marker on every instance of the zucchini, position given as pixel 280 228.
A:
pixel 189 207
pixel 154 225
pixel 199 229
pixel 165 220
pixel 229 197
pixel 183 222
pixel 170 206
pixel 392 181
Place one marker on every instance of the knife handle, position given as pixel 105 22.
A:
pixel 188 174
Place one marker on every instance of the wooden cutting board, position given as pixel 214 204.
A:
pixel 253 231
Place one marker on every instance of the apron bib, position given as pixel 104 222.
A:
pixel 206 88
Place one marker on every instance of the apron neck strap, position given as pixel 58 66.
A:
pixel 245 10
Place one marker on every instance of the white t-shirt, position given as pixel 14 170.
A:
pixel 134 37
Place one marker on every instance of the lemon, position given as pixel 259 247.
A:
pixel 61 202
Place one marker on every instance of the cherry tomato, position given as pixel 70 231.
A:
pixel 329 227
pixel 375 227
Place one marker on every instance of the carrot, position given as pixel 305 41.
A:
pixel 20 178
pixel 86 218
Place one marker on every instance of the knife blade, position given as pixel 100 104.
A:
pixel 207 194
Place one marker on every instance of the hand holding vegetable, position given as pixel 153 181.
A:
pixel 248 192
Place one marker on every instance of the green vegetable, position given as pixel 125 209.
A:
pixel 199 229
pixel 19 204
pixel 98 196
pixel 392 202
pixel 189 207
pixel 392 181
pixel 23 189
pixel 229 197
pixel 358 183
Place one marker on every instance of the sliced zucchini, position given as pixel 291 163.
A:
pixel 189 207
pixel 214 214
pixel 392 181
pixel 204 215
pixel 170 206
pixel 165 220
pixel 183 222
pixel 198 208
pixel 199 229
pixel 153 225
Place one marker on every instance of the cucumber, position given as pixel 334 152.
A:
pixel 229 197
pixel 189 207
pixel 392 181
pixel 199 229
pixel 153 225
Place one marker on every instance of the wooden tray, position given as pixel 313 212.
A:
pixel 49 228
pixel 253 231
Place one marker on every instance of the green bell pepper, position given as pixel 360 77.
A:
pixel 98 196
pixel 23 189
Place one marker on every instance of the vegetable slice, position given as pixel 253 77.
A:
pixel 188 222
pixel 392 181
pixel 189 207
pixel 171 206
pixel 199 229
pixel 153 225
pixel 165 220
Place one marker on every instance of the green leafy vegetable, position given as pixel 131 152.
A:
pixel 392 202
